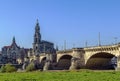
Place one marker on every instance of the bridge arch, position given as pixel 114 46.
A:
pixel 64 62
pixel 43 60
pixel 101 60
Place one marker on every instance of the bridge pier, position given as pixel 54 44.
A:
pixel 47 66
pixel 48 62
pixel 78 60
pixel 74 63
pixel 118 64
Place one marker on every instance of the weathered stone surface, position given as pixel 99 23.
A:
pixel 74 64
pixel 118 64
pixel 47 65
pixel 25 65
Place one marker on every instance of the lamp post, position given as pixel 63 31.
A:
pixel 86 44
pixel 64 45
pixel 74 45
pixel 99 40
pixel 115 38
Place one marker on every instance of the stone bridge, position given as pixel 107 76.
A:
pixel 97 57
pixel 42 58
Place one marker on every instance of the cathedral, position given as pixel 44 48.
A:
pixel 15 55
pixel 41 49
pixel 41 46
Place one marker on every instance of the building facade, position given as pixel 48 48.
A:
pixel 12 54
pixel 40 46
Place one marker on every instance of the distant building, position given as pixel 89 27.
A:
pixel 12 54
pixel 15 55
pixel 40 46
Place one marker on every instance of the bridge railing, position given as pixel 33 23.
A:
pixel 69 50
pixel 64 51
pixel 89 47
pixel 111 45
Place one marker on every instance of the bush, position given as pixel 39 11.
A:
pixel 10 68
pixel 30 67
pixel 2 69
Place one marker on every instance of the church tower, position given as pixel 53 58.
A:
pixel 37 39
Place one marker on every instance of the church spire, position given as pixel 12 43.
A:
pixel 37 21
pixel 37 36
pixel 14 40
pixel 37 39
pixel 37 27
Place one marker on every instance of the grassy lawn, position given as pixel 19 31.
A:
pixel 84 75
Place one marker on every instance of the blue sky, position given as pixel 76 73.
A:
pixel 75 21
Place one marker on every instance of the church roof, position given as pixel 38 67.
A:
pixel 10 46
pixel 43 41
pixel 13 44
pixel 7 46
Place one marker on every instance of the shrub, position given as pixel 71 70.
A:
pixel 30 67
pixel 10 68
pixel 2 69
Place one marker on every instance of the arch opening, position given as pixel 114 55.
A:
pixel 43 62
pixel 64 62
pixel 100 61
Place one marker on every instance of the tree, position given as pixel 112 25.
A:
pixel 2 69
pixel 10 68
pixel 30 67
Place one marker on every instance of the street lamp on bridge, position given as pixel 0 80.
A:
pixel 115 38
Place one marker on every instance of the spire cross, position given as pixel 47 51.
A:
pixel 37 21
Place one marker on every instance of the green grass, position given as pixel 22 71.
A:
pixel 84 75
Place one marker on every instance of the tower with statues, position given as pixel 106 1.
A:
pixel 42 51
pixel 37 40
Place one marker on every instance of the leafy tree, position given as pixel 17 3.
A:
pixel 30 67
pixel 2 69
pixel 10 68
